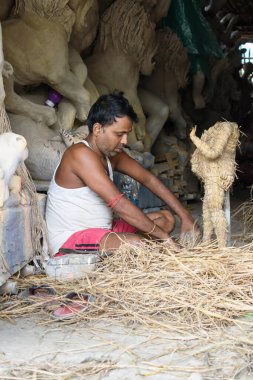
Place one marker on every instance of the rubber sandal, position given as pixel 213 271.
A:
pixel 41 292
pixel 69 309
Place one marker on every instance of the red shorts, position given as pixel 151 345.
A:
pixel 89 240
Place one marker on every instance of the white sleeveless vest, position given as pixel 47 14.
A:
pixel 72 210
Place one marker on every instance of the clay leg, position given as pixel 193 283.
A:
pixel 176 117
pixel 93 91
pixel 66 115
pixel 173 101
pixel 198 86
pixel 219 66
pixel 66 111
pixel 77 65
pixel 229 21
pixel 21 106
pixel 72 89
pixel 157 113
pixel 136 137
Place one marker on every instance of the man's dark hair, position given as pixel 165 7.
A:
pixel 108 107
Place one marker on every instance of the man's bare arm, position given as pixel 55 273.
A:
pixel 125 164
pixel 89 169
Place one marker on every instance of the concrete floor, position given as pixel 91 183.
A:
pixel 131 353
pixel 27 346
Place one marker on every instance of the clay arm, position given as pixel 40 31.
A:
pixel 214 151
pixel 88 167
pixel 125 164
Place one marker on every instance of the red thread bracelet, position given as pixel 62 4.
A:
pixel 115 200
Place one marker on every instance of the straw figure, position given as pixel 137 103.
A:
pixel 214 163
pixel 126 44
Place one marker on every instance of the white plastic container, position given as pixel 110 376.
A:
pixel 71 266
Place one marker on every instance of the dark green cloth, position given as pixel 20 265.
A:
pixel 187 21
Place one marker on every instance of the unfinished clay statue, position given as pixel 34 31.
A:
pixel 46 147
pixel 13 150
pixel 20 105
pixel 5 8
pixel 168 77
pixel 36 45
pixel 186 19
pixel 86 23
pixel 214 163
pixel 82 36
pixel 30 226
pixel 125 46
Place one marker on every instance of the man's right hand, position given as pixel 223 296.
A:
pixel 189 225
pixel 170 243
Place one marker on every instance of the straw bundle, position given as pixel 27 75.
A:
pixel 153 286
pixel 214 163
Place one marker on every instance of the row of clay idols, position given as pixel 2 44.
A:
pixel 219 143
pixel 43 43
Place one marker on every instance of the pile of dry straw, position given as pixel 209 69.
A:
pixel 152 285
pixel 245 212
pixel 86 370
